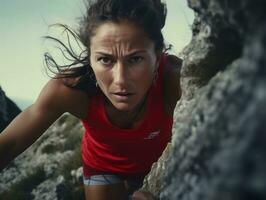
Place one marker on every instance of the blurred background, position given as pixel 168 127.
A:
pixel 24 23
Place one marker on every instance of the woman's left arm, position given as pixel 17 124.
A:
pixel 171 83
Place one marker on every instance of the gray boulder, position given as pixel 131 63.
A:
pixel 218 146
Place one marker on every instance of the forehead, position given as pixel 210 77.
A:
pixel 122 33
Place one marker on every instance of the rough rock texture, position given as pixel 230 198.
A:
pixel 50 169
pixel 218 147
pixel 8 110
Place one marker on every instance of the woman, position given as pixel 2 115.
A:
pixel 128 110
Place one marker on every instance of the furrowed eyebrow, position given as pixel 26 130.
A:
pixel 111 55
pixel 136 52
pixel 104 54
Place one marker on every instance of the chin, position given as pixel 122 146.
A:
pixel 123 106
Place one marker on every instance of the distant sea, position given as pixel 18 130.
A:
pixel 22 103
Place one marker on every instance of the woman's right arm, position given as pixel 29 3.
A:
pixel 30 124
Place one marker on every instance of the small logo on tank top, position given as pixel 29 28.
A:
pixel 152 135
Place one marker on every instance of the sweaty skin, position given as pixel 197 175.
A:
pixel 124 62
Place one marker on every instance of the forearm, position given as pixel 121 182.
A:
pixel 15 139
pixel 54 100
pixel 23 131
pixel 6 151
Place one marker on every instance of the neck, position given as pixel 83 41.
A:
pixel 125 119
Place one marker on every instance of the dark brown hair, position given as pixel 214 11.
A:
pixel 149 15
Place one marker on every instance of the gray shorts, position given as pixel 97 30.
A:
pixel 106 179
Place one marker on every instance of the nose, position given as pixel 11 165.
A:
pixel 120 74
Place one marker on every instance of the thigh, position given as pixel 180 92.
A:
pixel 133 184
pixel 104 187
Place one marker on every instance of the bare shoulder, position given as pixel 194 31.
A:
pixel 57 96
pixel 171 82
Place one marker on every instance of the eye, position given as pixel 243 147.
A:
pixel 135 59
pixel 105 60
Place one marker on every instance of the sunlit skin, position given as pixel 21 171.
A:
pixel 124 61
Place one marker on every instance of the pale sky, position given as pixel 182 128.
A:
pixel 23 23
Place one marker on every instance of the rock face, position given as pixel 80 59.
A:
pixel 8 110
pixel 50 169
pixel 218 147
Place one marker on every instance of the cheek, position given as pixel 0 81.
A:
pixel 100 76
pixel 103 78
pixel 96 70
pixel 143 77
pixel 149 70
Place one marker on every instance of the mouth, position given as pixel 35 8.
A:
pixel 122 96
pixel 123 93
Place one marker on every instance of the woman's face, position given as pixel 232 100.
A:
pixel 124 61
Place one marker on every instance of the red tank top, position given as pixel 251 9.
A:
pixel 108 148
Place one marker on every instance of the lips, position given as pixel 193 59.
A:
pixel 123 93
pixel 122 96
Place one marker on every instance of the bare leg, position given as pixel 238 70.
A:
pixel 106 192
pixel 142 195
